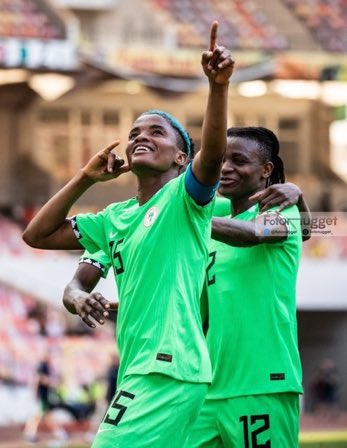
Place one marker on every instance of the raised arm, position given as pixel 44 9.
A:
pixel 79 299
pixel 50 228
pixel 218 67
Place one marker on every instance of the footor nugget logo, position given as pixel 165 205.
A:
pixel 150 216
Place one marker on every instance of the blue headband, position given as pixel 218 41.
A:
pixel 175 124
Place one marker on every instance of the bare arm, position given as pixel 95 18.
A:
pixel 50 228
pixel 218 67
pixel 306 218
pixel 235 232
pixel 79 299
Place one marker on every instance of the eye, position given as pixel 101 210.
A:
pixel 239 161
pixel 132 135
pixel 158 132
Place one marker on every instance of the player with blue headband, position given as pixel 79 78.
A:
pixel 158 244
pixel 175 124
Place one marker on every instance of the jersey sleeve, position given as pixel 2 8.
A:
pixel 98 259
pixel 190 204
pixel 89 230
pixel 202 194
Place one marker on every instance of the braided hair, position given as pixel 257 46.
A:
pixel 269 147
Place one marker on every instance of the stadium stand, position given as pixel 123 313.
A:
pixel 34 327
pixel 327 21
pixel 243 24
pixel 29 19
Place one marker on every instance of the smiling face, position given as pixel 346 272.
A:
pixel 153 146
pixel 244 171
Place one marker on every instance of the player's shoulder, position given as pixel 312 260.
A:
pixel 118 206
pixel 222 207
pixel 175 187
pixel 292 210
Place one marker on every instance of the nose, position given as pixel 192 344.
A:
pixel 141 136
pixel 228 167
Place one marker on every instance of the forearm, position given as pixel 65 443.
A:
pixel 214 129
pixel 305 214
pixel 51 218
pixel 234 232
pixel 303 206
pixel 213 141
pixel 73 292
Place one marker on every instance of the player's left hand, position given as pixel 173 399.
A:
pixel 93 307
pixel 217 62
pixel 281 195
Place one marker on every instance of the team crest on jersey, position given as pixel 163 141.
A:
pixel 150 216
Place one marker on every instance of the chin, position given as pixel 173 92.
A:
pixel 143 167
pixel 225 192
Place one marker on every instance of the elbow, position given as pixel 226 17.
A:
pixel 28 239
pixel 31 240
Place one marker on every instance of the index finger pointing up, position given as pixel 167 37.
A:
pixel 109 148
pixel 213 35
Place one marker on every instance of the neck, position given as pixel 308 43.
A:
pixel 240 205
pixel 148 186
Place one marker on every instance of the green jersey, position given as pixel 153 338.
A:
pixel 252 336
pixel 99 259
pixel 159 254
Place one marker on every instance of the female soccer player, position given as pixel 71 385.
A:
pixel 252 331
pixel 158 246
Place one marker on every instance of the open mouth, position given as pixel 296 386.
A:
pixel 141 149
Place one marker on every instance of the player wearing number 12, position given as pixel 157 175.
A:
pixel 158 246
pixel 253 400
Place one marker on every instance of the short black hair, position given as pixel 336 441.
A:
pixel 268 145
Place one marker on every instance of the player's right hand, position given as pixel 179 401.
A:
pixel 280 195
pixel 217 62
pixel 93 307
pixel 105 165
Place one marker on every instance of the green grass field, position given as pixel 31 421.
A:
pixel 336 439
pixel 331 444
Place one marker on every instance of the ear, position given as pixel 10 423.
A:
pixel 181 158
pixel 267 169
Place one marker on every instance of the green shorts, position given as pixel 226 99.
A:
pixel 248 422
pixel 150 411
